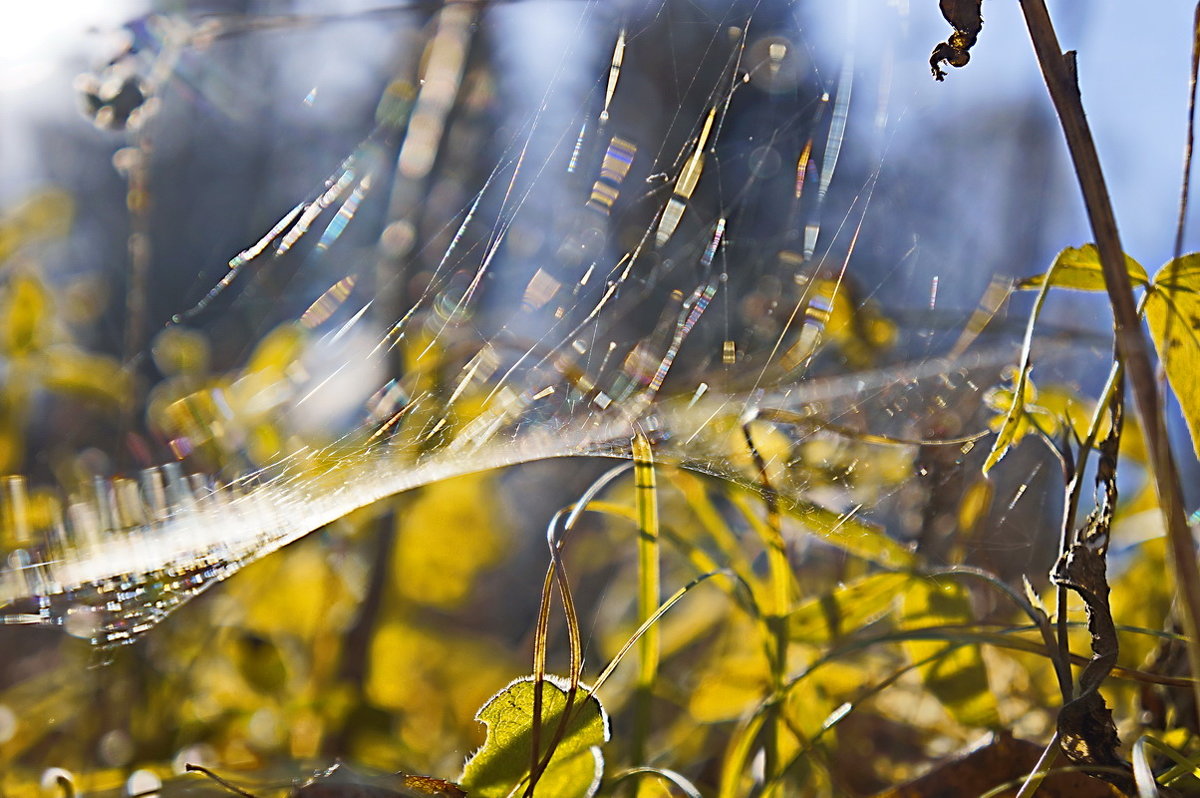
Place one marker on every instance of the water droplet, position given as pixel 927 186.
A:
pixel 116 749
pixel 142 782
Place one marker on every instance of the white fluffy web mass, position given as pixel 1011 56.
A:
pixel 572 223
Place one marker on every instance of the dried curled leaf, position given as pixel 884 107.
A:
pixel 1086 731
pixel 966 17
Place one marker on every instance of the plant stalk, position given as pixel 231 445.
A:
pixel 1058 69
pixel 649 579
pixel 780 580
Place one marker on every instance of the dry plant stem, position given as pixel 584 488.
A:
pixel 555 575
pixel 1059 73
pixel 1075 469
pixel 137 200
pixel 1074 473
pixel 541 633
pixel 190 768
pixel 356 645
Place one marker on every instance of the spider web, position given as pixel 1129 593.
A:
pixel 678 220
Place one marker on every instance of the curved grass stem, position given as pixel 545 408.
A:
pixel 649 581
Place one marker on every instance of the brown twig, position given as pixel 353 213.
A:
pixel 1058 69
pixel 233 788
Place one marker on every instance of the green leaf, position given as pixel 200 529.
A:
pixel 1173 314
pixel 1079 269
pixel 959 677
pixel 850 607
pixel 501 766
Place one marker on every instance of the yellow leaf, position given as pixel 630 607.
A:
pixel 46 214
pixel 264 443
pixel 25 315
pixel 1017 416
pixel 1029 416
pixel 1067 406
pixel 847 609
pixel 1173 314
pixel 1141 597
pixel 849 532
pixel 432 680
pixel 821 697
pixel 958 678
pixel 446 537
pixel 299 591
pixel 732 684
pixel 1079 269
pixel 282 347
pixel 832 316
pixel 859 332
pixel 72 371
pixel 976 501
pixel 177 350
pixel 652 788
pixel 175 410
